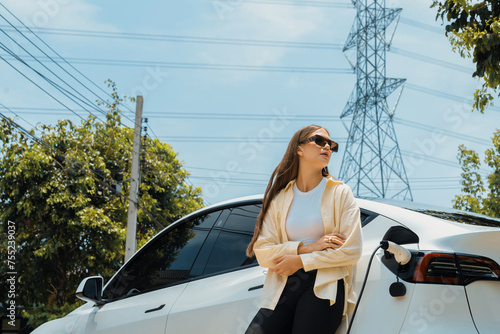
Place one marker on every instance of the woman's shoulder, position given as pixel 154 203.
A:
pixel 333 182
pixel 279 195
pixel 339 186
pixel 282 196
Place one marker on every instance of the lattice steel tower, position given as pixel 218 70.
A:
pixel 372 162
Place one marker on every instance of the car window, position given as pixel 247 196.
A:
pixel 229 251
pixel 201 260
pixel 166 260
pixel 367 216
pixel 243 218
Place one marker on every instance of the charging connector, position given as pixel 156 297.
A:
pixel 401 254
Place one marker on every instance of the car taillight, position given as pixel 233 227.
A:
pixel 474 268
pixel 446 268
pixel 436 268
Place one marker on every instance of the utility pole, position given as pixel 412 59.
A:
pixel 130 243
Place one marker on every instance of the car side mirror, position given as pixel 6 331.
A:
pixel 90 290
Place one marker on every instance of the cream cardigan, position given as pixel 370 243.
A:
pixel 340 214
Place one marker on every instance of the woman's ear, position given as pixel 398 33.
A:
pixel 299 151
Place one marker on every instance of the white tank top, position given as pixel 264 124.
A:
pixel 304 222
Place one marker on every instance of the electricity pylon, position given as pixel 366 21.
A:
pixel 372 162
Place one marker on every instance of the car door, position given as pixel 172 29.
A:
pixel 140 296
pixel 227 296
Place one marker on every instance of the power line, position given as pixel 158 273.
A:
pixel 151 129
pixel 244 42
pixel 423 26
pixel 235 41
pixel 40 87
pixel 444 95
pixel 430 60
pixel 190 139
pixel 262 117
pixel 185 39
pixel 437 130
pixel 430 158
pixel 60 57
pixel 441 179
pixel 286 140
pixel 66 93
pixel 222 170
pixel 323 4
pixel 177 38
pixel 17 115
pixel 62 90
pixel 190 115
pixel 65 61
pixel 87 101
pixel 261 183
pixel 206 66
pixel 436 160
pixel 257 183
pixel 245 117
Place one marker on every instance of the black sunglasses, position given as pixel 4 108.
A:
pixel 321 141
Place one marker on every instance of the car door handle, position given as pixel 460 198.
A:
pixel 155 309
pixel 256 287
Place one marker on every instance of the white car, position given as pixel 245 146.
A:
pixel 194 276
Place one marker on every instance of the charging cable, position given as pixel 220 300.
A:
pixel 362 288
pixel 401 255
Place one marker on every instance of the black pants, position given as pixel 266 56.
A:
pixel 299 311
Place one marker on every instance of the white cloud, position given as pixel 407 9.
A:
pixel 69 14
pixel 259 22
pixel 286 22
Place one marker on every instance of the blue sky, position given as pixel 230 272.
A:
pixel 231 127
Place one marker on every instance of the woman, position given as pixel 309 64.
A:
pixel 308 234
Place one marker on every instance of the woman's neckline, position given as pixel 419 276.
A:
pixel 305 193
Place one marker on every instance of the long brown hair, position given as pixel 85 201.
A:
pixel 286 171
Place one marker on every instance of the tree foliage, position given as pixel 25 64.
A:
pixel 474 30
pixel 70 222
pixel 474 196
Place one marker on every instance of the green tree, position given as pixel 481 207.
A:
pixel 474 197
pixel 474 30
pixel 70 222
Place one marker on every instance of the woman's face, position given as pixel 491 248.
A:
pixel 314 155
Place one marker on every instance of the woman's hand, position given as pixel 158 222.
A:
pixel 333 240
pixel 287 265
